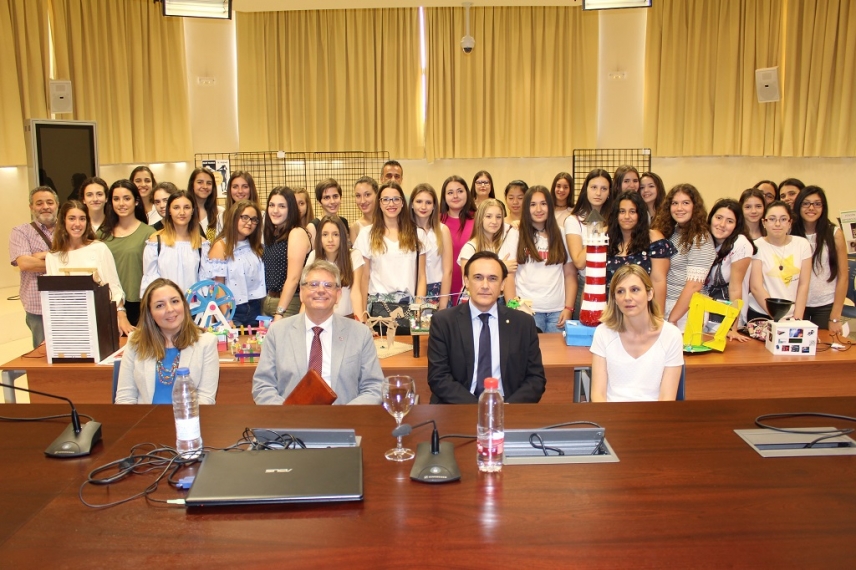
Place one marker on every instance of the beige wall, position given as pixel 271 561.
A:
pixel 210 53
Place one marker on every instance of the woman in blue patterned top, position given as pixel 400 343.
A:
pixel 235 259
pixel 165 340
pixel 632 241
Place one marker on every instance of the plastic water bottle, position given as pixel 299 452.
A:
pixel 491 433
pixel 185 406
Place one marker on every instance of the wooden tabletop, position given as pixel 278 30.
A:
pixel 743 370
pixel 687 492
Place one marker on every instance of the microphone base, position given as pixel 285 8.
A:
pixel 440 468
pixel 70 444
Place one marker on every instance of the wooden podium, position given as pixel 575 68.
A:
pixel 79 317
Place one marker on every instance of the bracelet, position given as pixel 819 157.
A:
pixel 123 309
pixel 569 309
pixel 834 320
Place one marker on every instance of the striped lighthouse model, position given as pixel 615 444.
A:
pixel 594 293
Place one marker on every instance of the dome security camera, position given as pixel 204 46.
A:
pixel 468 43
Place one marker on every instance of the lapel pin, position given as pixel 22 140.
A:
pixel 506 321
pixel 341 338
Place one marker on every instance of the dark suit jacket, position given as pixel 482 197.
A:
pixel 451 357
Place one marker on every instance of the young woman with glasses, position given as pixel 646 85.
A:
pixel 235 259
pixel 781 268
pixel 394 274
pixel 828 285
pixel 482 187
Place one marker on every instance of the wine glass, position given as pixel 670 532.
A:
pixel 399 394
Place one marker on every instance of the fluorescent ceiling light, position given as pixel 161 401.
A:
pixel 219 9
pixel 610 4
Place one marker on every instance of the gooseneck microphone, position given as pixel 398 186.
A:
pixel 76 440
pixel 435 462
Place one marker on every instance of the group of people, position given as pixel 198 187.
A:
pixel 147 240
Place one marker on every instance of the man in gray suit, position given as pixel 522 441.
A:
pixel 340 349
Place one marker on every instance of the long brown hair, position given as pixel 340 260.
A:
pixel 694 232
pixel 408 239
pixel 274 233
pixel 434 220
pixel 229 235
pixel 310 211
pixel 254 194
pixel 61 239
pixel 211 200
pixel 526 248
pixel 168 232
pixel 148 340
pixel 343 256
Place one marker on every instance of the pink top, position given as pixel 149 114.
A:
pixel 459 238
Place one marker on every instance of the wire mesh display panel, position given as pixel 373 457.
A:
pixel 587 159
pixel 299 170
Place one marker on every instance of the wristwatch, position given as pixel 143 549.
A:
pixel 281 311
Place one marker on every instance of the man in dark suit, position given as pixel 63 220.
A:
pixel 482 339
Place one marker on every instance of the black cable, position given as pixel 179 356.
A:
pixel 580 422
pixel 44 418
pixel 278 442
pixel 459 435
pixel 824 434
pixel 541 445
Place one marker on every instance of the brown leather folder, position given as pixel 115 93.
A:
pixel 311 390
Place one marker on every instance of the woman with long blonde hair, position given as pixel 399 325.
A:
pixel 636 355
pixel 491 233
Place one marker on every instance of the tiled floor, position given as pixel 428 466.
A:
pixel 15 337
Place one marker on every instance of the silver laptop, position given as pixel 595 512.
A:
pixel 274 477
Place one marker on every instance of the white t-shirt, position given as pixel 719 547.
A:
pixel 508 246
pixel 577 227
pixel 543 284
pixel 820 291
pixel 391 271
pixel 780 283
pixel 344 307
pixel 433 259
pixel 96 256
pixel 637 379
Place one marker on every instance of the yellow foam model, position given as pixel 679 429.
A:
pixel 694 331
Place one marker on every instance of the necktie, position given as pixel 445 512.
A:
pixel 484 365
pixel 315 351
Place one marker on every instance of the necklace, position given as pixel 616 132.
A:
pixel 167 377
pixel 778 252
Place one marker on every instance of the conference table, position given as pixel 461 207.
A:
pixel 686 492
pixel 743 370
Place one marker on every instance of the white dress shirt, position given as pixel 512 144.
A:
pixel 494 345
pixel 326 345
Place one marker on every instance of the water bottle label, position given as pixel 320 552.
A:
pixel 187 430
pixel 491 447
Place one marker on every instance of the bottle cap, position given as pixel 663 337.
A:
pixel 183 372
pixel 491 384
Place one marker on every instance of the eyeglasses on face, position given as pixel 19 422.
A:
pixel 391 200
pixel 809 205
pixel 249 220
pixel 773 221
pixel 315 285
pixel 482 182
